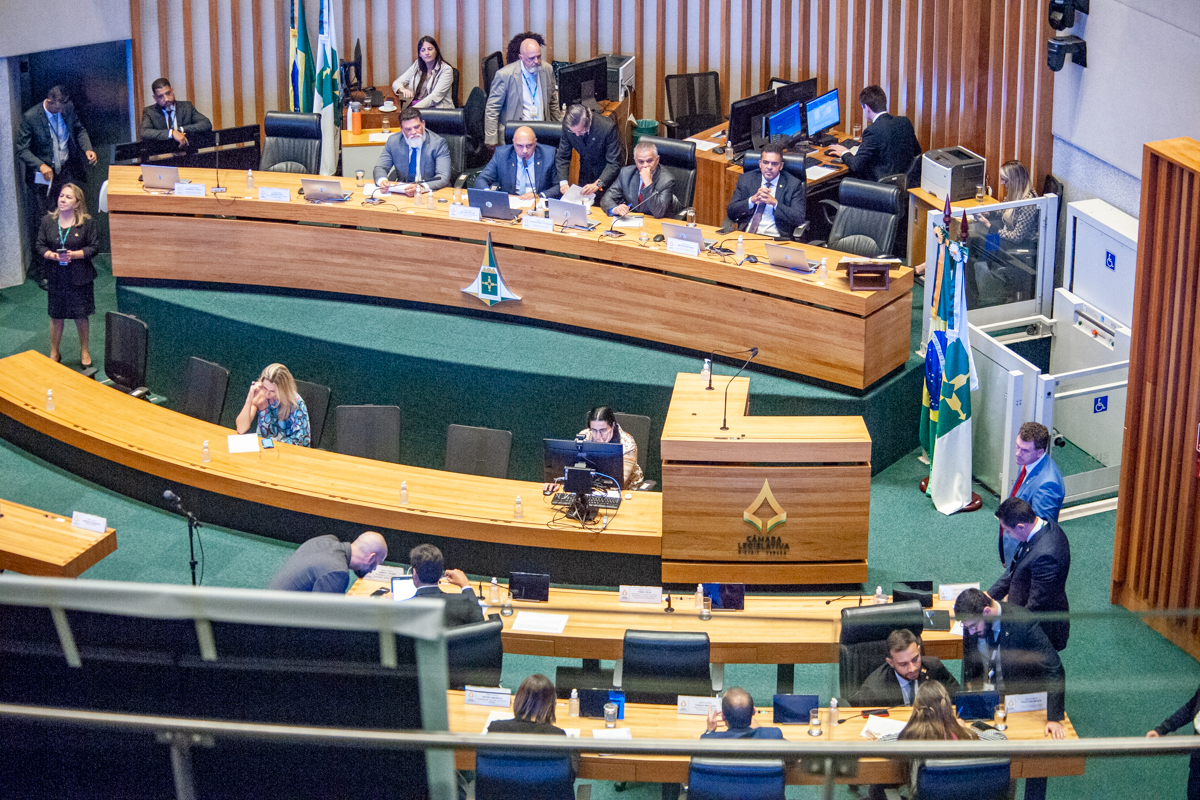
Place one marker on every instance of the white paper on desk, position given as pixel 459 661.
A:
pixel 877 727
pixel 496 715
pixel 89 522
pixel 703 145
pixel 612 733
pixel 378 137
pixel 956 629
pixel 950 591
pixel 385 573
pixel 573 194
pixel 629 221
pixel 517 204
pixel 816 173
pixel 537 622
pixel 1015 703
pixel 243 443
pixel 399 188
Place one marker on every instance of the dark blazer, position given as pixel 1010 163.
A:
pixel 889 144
pixel 1036 579
pixel 154 121
pixel 1028 662
pixel 789 199
pixel 461 609
pixel 761 732
pixel 35 145
pixel 529 726
pixel 1044 490
pixel 502 171
pixel 625 190
pixel 435 160
pixel 881 687
pixel 599 155
pixel 79 271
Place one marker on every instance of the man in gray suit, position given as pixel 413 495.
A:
pixel 642 186
pixel 524 90
pixel 418 156
pixel 170 118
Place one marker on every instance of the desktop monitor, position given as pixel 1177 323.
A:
pixel 606 458
pixel 823 113
pixel 742 114
pixel 585 83
pixel 790 93
pixel 786 123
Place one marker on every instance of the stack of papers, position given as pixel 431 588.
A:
pixel 816 173
pixel 878 727
pixel 702 144
pixel 537 622
pixel 612 733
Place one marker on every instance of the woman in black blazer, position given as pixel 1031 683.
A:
pixel 68 240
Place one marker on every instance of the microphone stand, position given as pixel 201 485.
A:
pixel 218 189
pixel 843 597
pixel 725 402
pixel 711 353
pixel 611 232
pixel 193 526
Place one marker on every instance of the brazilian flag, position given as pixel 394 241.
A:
pixel 300 57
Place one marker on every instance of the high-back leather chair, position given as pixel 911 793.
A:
pixel 491 64
pixel 658 666
pixel 679 159
pixel 316 400
pixel 693 103
pixel 862 645
pixel 451 125
pixel 478 451
pixel 204 388
pixel 368 432
pixel 547 132
pixel 638 426
pixel 126 343
pixel 867 216
pixel 475 654
pixel 291 143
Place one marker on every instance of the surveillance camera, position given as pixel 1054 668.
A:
pixel 1058 48
pixel 1062 12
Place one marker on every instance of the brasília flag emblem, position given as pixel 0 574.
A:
pixel 489 283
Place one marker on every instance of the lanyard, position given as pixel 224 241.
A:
pixel 64 234
pixel 532 87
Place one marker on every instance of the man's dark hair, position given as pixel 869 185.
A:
pixel 1036 434
pixel 773 147
pixel 577 114
pixel 427 563
pixel 737 706
pixel 409 113
pixel 58 94
pixel 901 639
pixel 513 51
pixel 1014 511
pixel 971 603
pixel 161 83
pixel 874 98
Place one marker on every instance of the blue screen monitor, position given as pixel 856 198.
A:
pixel 607 458
pixel 823 113
pixel 787 122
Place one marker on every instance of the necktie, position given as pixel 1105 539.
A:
pixel 641 191
pixel 171 120
pixel 412 163
pixel 528 176
pixel 1022 549
pixel 908 693
pixel 756 219
pixel 1016 488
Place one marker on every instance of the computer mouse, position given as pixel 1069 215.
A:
pixel 658 237
pixel 752 259
pixel 829 152
pixel 719 150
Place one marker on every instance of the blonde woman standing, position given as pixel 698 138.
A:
pixel 68 241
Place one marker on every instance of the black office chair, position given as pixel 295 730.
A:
pixel 638 426
pixel 316 400
pixel 962 779
pixel 475 152
pixel 291 143
pixel 658 666
pixel 735 779
pixel 679 159
pixel 866 217
pixel 693 103
pixel 352 70
pixel 478 451
pixel 862 645
pixel 475 654
pixel 903 181
pixel 527 774
pixel 368 432
pixel 793 165
pixel 547 132
pixel 491 64
pixel 204 387
pixel 126 343
pixel 456 88
pixel 451 125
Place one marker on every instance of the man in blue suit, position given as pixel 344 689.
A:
pixel 523 168
pixel 737 710
pixel 1039 483
pixel 418 156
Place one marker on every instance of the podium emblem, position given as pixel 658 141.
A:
pixel 489 284
pixel 765 496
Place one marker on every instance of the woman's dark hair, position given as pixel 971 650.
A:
pixel 602 414
pixel 421 62
pixel 513 52
pixel 535 700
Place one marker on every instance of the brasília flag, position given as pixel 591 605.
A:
pixel 327 90
pixel 300 91
pixel 950 378
pixel 489 284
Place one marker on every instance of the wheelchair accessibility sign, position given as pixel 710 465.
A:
pixel 1100 404
pixel 1110 260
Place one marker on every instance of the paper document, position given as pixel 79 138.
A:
pixel 612 733
pixel 956 629
pixel 516 203
pixel 536 622
pixel 399 188
pixel 628 221
pixel 378 137
pixel 703 145
pixel 385 573
pixel 574 194
pixel 243 443
pixel 881 726
pixel 816 173
pixel 39 178
pixel 495 715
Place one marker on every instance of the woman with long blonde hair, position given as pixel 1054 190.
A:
pixel 1018 225
pixel 275 405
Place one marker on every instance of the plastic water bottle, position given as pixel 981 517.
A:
pixel 699 596
pixel 403 493
pixel 430 201
pixel 494 591
pixel 879 599
pixel 417 196
pixel 249 180
pixel 833 718
pixel 518 509
pixel 739 252
pixel 706 370
pixel 49 399
pixel 205 453
pixel 573 708
pixel 823 272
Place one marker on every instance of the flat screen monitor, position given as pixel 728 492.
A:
pixel 742 113
pixel 607 458
pixel 823 113
pixel 786 123
pixel 585 83
pixel 800 92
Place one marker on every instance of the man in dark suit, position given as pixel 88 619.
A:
pixel 418 156
pixel 737 712
pixel 428 568
pixel 895 682
pixel 889 144
pixel 1036 578
pixel 595 138
pixel 168 118
pixel 1039 482
pixel 768 200
pixel 524 168
pixel 642 186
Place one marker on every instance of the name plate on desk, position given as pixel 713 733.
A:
pixel 543 224
pixel 189 190
pixel 89 522
pixel 683 247
pixel 699 706
pixel 488 696
pixel 640 594
pixel 950 591
pixel 275 195
pixel 1016 703
pixel 468 213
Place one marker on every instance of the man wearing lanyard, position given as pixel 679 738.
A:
pixel 1039 482
pixel 168 118
pixel 420 157
pixel 524 168
pixel 523 90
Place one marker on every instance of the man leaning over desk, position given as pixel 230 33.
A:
pixel 418 156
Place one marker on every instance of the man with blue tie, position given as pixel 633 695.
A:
pixel 419 157
pixel 768 200
pixel 1039 483
pixel 524 168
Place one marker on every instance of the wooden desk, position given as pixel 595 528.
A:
pixel 662 722
pixel 851 338
pixel 920 203
pixel 35 542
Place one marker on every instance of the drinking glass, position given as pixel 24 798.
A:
pixel 856 132
pixel 1002 717
pixel 814 722
pixel 610 715
pixel 706 609
pixel 690 214
pixel 360 177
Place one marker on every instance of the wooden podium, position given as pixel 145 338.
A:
pixel 771 500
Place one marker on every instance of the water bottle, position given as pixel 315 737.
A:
pixel 739 252
pixel 879 599
pixel 699 596
pixel 49 399
pixel 706 370
pixel 494 592
pixel 249 180
pixel 823 272
pixel 518 509
pixel 403 493
pixel 430 201
pixel 205 453
pixel 573 708
pixel 833 717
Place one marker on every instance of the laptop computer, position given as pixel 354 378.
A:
pixel 672 231
pixel 492 204
pixel 531 586
pixel 403 588
pixel 318 191
pixel 159 179
pixel 790 258
pixel 569 215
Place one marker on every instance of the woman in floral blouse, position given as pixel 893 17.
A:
pixel 277 407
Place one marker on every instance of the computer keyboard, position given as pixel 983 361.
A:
pixel 593 500
pixel 809 161
pixel 850 143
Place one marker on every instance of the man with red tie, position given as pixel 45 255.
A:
pixel 768 200
pixel 1039 483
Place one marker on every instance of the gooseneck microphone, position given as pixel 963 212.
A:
pixel 711 353
pixel 725 402
pixel 611 232
pixel 843 597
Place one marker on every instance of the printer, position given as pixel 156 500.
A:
pixel 955 171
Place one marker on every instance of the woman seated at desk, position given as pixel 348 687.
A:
pixel 277 407
pixel 429 81
pixel 603 428
pixel 533 712
pixel 1003 247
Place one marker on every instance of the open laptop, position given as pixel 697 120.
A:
pixel 492 204
pixel 790 258
pixel 402 585
pixel 673 231
pixel 318 191
pixel 569 215
pixel 159 179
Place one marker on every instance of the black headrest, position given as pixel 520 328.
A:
pixel 289 125
pixel 673 152
pixel 876 623
pixel 445 121
pixel 792 164
pixel 546 132
pixel 869 196
pixel 921 591
pixel 674 641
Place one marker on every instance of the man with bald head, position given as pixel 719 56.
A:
pixel 523 90
pixel 524 168
pixel 737 712
pixel 324 564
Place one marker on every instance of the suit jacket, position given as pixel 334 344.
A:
pixel 599 157
pixel 461 609
pixel 507 98
pixel 437 88
pixel 1028 662
pixel 35 145
pixel 1044 490
pixel 79 271
pixel 1037 580
pixel 881 687
pixel 154 121
pixel 889 144
pixel 435 160
pixel 625 190
pixel 761 732
pixel 789 199
pixel 502 171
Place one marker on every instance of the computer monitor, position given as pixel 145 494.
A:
pixel 606 458
pixel 742 114
pixel 585 83
pixel 786 123
pixel 800 92
pixel 823 113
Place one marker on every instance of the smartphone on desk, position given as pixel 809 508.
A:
pixel 268 444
